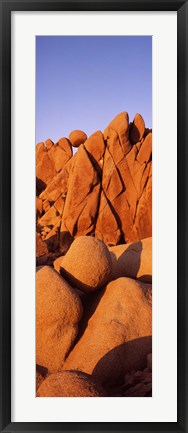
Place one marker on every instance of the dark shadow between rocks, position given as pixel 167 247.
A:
pixel 74 282
pixel 40 185
pixel 134 134
pixel 113 366
pixel 90 302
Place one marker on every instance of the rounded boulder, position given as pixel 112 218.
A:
pixel 58 313
pixel 87 264
pixel 117 338
pixel 70 384
pixel 77 137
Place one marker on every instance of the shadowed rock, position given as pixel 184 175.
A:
pixel 132 260
pixel 122 315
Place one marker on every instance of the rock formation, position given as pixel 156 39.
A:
pixel 104 190
pixel 58 308
pixel 94 262
pixel 118 334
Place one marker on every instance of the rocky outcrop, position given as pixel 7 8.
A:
pixel 58 312
pixel 104 190
pixel 94 227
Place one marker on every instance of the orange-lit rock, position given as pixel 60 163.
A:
pixel 87 264
pixel 118 336
pixel 132 260
pixel 70 384
pixel 58 312
pixel 77 137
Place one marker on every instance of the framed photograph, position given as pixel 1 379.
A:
pixel 93 245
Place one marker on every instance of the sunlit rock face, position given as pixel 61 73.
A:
pixel 103 190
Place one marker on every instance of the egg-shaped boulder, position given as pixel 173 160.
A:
pixel 87 264
pixel 77 137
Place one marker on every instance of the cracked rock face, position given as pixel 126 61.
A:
pixel 104 190
pixel 117 338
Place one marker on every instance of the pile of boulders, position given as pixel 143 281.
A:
pixel 94 263
pixel 94 322
pixel 103 190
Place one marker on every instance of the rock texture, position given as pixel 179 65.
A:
pixel 132 260
pixel 77 137
pixel 87 264
pixel 103 190
pixel 118 335
pixel 58 312
pixel 70 384
pixel 94 262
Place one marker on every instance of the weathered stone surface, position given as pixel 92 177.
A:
pixel 58 312
pixel 117 136
pixel 132 260
pixel 39 207
pixel 48 144
pixel 81 206
pixel 70 384
pixel 137 129
pixel 60 155
pixel 50 219
pixel 125 205
pixel 104 190
pixel 118 336
pixel 65 144
pixel 77 137
pixel 57 263
pixel 45 170
pixel 87 264
pixel 58 186
pixel 41 246
pixel 52 238
pixel 41 374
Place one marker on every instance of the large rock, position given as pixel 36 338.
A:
pixel 137 129
pixel 70 384
pixel 117 338
pixel 60 153
pixel 77 137
pixel 45 170
pixel 87 264
pixel 84 186
pixel 58 312
pixel 125 205
pixel 41 246
pixel 132 260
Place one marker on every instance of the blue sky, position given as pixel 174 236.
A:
pixel 83 82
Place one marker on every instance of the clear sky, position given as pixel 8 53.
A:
pixel 83 82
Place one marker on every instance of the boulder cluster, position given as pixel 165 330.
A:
pixel 94 263
pixel 103 190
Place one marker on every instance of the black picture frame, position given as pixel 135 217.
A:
pixel 6 7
